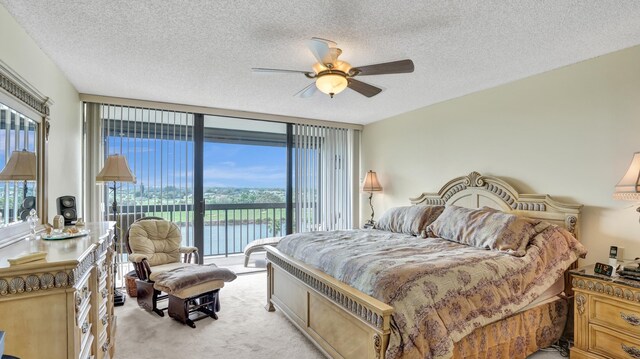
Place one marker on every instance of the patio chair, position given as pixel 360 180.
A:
pixel 259 245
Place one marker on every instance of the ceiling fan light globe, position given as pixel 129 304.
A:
pixel 331 84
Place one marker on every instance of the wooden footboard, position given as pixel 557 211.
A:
pixel 341 321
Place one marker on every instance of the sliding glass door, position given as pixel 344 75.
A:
pixel 242 189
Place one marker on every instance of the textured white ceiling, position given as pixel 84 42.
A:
pixel 200 52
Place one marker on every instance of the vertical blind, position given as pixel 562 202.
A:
pixel 158 145
pixel 17 133
pixel 322 177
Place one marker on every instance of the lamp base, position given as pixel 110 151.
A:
pixel 118 298
pixel 369 224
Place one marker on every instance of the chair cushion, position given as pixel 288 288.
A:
pixel 160 240
pixel 166 267
pixel 198 289
pixel 182 278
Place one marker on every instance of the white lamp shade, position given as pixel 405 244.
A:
pixel 21 167
pixel 628 188
pixel 371 183
pixel 116 169
pixel 331 84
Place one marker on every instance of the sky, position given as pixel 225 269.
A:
pixel 161 163
pixel 244 166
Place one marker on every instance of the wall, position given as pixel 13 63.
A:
pixel 570 133
pixel 24 57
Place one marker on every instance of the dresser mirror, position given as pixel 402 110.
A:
pixel 22 155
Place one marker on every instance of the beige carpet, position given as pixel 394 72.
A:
pixel 244 330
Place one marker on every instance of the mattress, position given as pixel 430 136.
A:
pixel 549 294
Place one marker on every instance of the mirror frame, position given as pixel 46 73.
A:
pixel 19 95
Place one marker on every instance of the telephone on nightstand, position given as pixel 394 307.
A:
pixel 613 256
pixel 630 270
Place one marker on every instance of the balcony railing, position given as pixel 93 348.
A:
pixel 228 228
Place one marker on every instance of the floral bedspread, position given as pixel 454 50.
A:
pixel 440 290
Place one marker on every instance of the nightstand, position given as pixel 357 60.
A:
pixel 606 316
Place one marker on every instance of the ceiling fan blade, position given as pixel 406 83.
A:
pixel 321 50
pixel 261 69
pixel 307 91
pixel 363 88
pixel 395 67
pixel 325 40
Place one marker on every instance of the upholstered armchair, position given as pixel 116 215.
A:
pixel 154 246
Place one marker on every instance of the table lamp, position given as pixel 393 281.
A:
pixel 628 189
pixel 371 185
pixel 116 169
pixel 21 167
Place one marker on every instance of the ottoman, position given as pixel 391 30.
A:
pixel 193 289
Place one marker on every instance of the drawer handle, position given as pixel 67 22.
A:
pixel 630 318
pixel 104 320
pixel 85 327
pixel 632 351
pixel 104 293
pixel 105 347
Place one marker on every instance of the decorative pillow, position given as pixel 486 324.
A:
pixel 408 219
pixel 485 228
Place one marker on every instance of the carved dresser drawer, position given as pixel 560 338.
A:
pixel 83 297
pixel 102 333
pixel 83 306
pixel 615 314
pixel 610 343
pixel 103 321
pixel 606 316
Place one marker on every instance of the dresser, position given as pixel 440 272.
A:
pixel 61 307
pixel 606 316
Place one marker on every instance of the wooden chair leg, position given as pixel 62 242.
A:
pixel 148 297
pixel 216 308
pixel 156 310
pixel 213 299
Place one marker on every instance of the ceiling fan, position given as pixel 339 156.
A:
pixel 332 76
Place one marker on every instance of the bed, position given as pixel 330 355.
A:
pixel 345 322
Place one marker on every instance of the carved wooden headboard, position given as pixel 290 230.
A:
pixel 476 191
